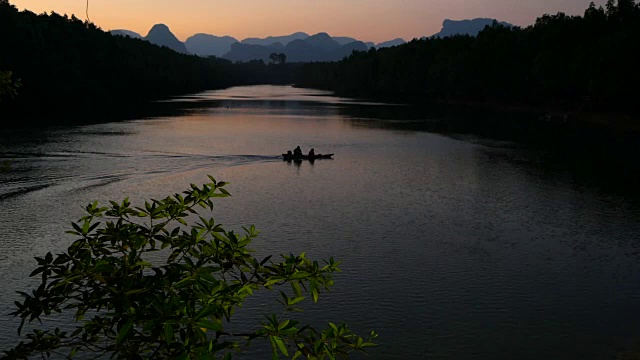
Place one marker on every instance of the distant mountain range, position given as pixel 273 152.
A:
pixel 299 46
pixel 318 47
pixel 268 41
pixel 208 45
pixel 390 43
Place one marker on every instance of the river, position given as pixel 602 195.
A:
pixel 452 247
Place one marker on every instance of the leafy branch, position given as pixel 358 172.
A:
pixel 125 306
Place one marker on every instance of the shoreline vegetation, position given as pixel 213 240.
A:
pixel 562 67
pixel 71 71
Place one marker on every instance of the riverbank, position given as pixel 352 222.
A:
pixel 87 112
pixel 574 115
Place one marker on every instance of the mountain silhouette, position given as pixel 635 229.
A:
pixel 465 27
pixel 390 43
pixel 246 52
pixel 123 32
pixel 299 46
pixel 268 41
pixel 301 51
pixel 318 47
pixel 344 40
pixel 277 46
pixel 162 36
pixel 346 50
pixel 207 45
pixel 322 41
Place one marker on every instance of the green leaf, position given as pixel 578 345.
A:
pixel 334 327
pixel 281 345
pixel 299 275
pixel 124 331
pixel 168 333
pixel 37 271
pixel 264 261
pixel 296 288
pixel 149 325
pixel 77 227
pixel 283 324
pixel 73 351
pixel 211 325
pixel 85 227
pixel 135 291
pixel 207 311
pixel 295 300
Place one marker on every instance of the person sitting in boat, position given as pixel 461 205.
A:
pixel 312 153
pixel 297 151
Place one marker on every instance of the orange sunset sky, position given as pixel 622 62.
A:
pixel 367 20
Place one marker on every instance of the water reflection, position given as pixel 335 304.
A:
pixel 456 246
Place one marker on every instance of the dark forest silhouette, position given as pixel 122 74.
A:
pixel 570 63
pixel 71 68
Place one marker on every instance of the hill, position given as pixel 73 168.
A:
pixel 318 47
pixel 207 45
pixel 162 36
pixel 323 47
pixel 390 43
pixel 284 39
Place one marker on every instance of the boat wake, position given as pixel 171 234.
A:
pixel 31 172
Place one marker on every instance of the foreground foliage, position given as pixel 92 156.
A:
pixel 127 307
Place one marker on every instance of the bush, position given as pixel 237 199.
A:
pixel 8 86
pixel 127 307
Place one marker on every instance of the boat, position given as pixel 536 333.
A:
pixel 288 157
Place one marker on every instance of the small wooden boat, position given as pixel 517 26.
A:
pixel 288 157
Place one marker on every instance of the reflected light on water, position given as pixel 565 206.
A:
pixel 463 248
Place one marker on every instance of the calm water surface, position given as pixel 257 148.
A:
pixel 451 248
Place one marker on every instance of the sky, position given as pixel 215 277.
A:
pixel 366 20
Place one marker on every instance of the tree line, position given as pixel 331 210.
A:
pixel 67 66
pixel 64 65
pixel 573 63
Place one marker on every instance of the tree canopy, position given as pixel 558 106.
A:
pixel 66 63
pixel 571 62
pixel 8 85
pixel 277 58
